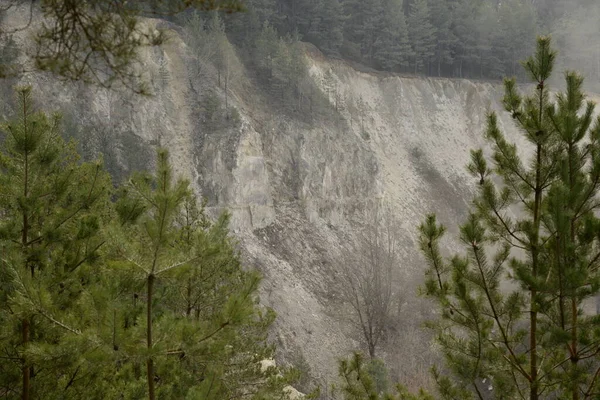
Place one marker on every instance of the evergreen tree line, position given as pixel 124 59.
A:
pixel 452 38
pixel 118 293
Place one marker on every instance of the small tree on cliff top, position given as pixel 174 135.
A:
pixel 533 224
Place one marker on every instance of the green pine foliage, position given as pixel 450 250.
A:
pixel 128 294
pixel 511 306
pixel 329 34
pixel 362 27
pixel 52 210
pixel 368 381
pixel 392 47
pixel 193 327
pixel 444 39
pixel 421 33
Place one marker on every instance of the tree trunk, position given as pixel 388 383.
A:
pixel 372 350
pixel 26 370
pixel 150 361
pixel 226 95
pixel 575 356
pixel 24 239
pixel 533 391
pixel 574 339
pixel 188 310
pixel 537 209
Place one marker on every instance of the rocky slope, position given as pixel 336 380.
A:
pixel 298 187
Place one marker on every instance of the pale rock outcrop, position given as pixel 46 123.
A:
pixel 289 391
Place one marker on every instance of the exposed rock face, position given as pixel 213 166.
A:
pixel 296 190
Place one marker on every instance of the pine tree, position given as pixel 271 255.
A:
pixel 362 381
pixel 465 14
pixel 330 34
pixel 362 26
pixel 533 224
pixel 193 322
pixel 266 47
pixel 304 18
pixel 488 37
pixel 52 209
pixel 95 293
pixel 216 34
pixel 392 47
pixel 441 19
pixel 421 33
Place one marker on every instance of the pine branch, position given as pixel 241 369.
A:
pixel 176 265
pixel 135 264
pixel 43 313
pixel 590 391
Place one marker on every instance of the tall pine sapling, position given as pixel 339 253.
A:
pixel 52 208
pixel 204 335
pixel 533 225
pixel 151 205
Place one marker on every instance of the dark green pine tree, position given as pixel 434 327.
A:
pixel 465 14
pixel 306 20
pixel 362 27
pixel 330 32
pixel 441 19
pixel 368 381
pixel 572 249
pixel 392 47
pixel 186 321
pixel 421 33
pixel 533 225
pixel 486 53
pixel 52 210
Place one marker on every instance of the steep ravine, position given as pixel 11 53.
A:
pixel 297 189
